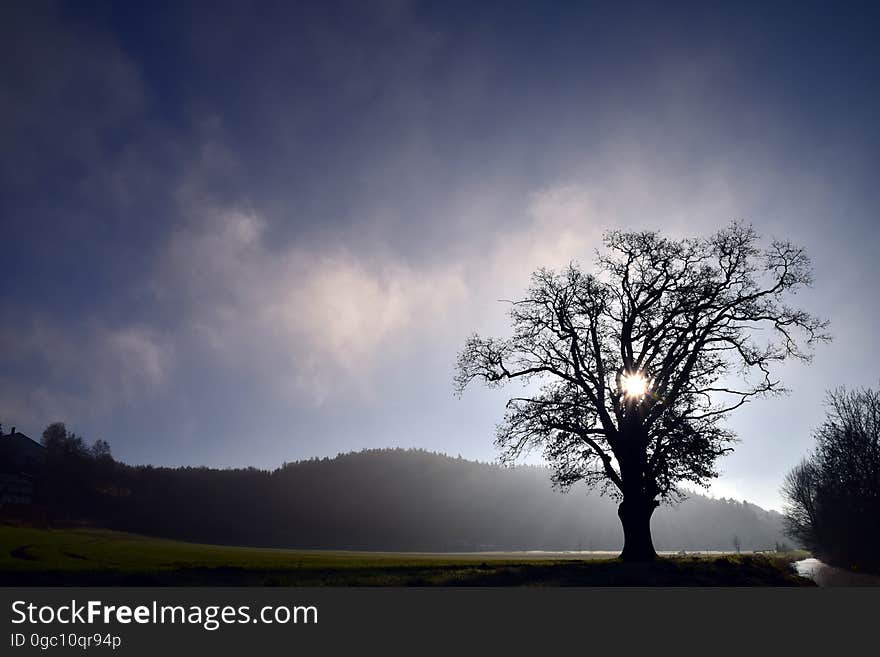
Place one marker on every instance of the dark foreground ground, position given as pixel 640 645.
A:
pixel 88 557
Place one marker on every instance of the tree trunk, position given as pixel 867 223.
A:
pixel 635 516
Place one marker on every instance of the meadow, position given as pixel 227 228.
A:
pixel 85 556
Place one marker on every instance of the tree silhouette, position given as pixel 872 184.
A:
pixel 833 497
pixel 637 364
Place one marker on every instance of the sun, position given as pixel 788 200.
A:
pixel 634 385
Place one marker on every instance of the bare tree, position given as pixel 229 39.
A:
pixel 833 497
pixel 800 513
pixel 637 363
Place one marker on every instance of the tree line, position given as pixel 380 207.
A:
pixel 388 499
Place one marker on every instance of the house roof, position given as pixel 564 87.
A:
pixel 25 441
pixel 18 452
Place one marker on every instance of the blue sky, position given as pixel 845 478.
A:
pixel 246 234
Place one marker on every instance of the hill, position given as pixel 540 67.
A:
pixel 394 499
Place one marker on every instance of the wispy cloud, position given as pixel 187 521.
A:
pixel 58 368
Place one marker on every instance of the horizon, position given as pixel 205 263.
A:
pixel 240 238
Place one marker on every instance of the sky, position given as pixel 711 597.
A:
pixel 243 234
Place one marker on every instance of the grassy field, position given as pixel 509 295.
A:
pixel 103 557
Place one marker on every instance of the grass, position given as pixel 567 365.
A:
pixel 103 557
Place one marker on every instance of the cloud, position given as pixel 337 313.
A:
pixel 67 93
pixel 68 370
pixel 313 322
pixel 313 319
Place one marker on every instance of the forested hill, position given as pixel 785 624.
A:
pixel 396 499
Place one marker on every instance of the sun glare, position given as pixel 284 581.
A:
pixel 634 385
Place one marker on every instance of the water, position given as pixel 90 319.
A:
pixel 825 575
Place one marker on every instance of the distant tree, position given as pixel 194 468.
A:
pixel 101 450
pixel 833 497
pixel 55 436
pixel 799 491
pixel 640 361
pixel 74 471
pixel 58 441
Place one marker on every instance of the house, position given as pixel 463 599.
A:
pixel 21 462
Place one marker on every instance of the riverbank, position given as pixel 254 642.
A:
pixel 824 575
